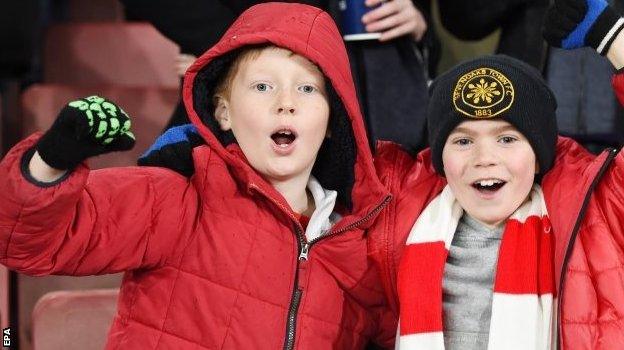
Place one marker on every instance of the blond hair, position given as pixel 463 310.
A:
pixel 224 88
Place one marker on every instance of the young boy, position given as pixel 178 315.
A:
pixel 263 247
pixel 503 236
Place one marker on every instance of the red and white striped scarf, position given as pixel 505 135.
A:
pixel 523 306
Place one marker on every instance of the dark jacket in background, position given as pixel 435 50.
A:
pixel 587 109
pixel 520 22
pixel 391 80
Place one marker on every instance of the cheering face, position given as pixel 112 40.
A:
pixel 278 112
pixel 490 167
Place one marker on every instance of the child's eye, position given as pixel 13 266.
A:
pixel 462 142
pixel 262 87
pixel 308 89
pixel 507 139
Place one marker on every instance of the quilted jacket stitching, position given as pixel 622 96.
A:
pixel 596 323
pixel 269 302
pixel 151 228
pixel 173 287
pixel 238 292
pixel 88 243
pixel 6 252
pixel 165 332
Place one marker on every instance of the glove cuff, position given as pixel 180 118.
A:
pixel 59 152
pixel 604 30
pixel 28 176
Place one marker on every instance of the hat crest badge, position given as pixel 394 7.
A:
pixel 483 93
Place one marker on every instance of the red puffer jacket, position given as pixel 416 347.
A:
pixel 213 262
pixel 585 199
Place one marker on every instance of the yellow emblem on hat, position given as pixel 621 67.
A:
pixel 483 93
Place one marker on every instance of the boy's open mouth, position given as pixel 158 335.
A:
pixel 488 185
pixel 284 137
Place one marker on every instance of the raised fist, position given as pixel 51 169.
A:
pixel 572 24
pixel 85 128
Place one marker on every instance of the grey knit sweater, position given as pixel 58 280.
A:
pixel 468 284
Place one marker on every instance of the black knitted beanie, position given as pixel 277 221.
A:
pixel 495 86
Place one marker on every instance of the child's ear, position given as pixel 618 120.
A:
pixel 222 112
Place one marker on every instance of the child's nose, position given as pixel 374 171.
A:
pixel 283 109
pixel 285 104
pixel 484 157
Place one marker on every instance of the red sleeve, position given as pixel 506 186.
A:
pixel 91 222
pixel 610 196
pixel 618 85
pixel 613 184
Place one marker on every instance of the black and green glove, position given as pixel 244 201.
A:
pixel 85 128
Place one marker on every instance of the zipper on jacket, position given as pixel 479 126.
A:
pixel 304 249
pixel 291 321
pixel 303 255
pixel 575 230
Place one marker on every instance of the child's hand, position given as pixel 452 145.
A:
pixel 85 128
pixel 572 24
pixel 394 19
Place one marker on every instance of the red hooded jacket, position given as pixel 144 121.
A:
pixel 584 195
pixel 212 262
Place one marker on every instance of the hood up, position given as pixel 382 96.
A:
pixel 344 162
